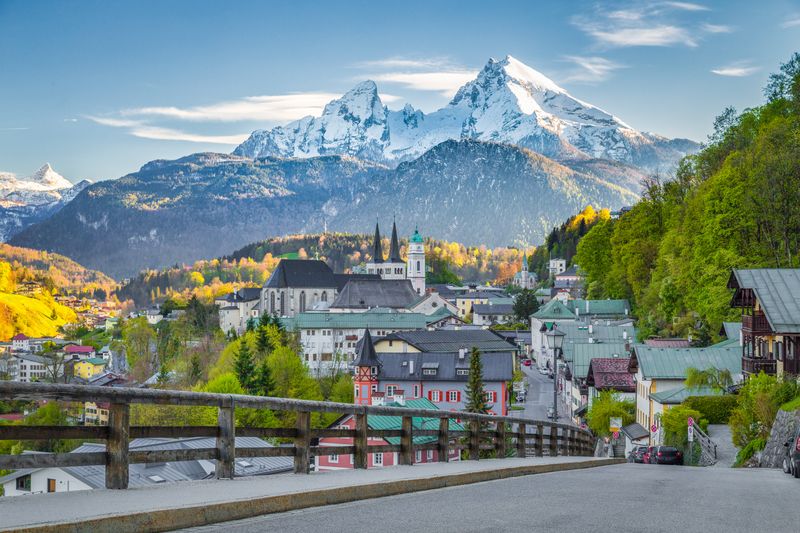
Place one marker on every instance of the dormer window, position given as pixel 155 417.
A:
pixel 374 370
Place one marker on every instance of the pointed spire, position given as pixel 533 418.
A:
pixel 524 260
pixel 365 352
pixel 377 249
pixel 394 250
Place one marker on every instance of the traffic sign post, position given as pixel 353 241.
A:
pixel 691 434
pixel 690 421
pixel 615 424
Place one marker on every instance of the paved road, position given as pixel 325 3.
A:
pixel 726 451
pixel 540 397
pixel 623 498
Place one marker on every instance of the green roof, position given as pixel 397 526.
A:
pixel 777 291
pixel 578 333
pixel 554 310
pixel 676 396
pixel 584 353
pixel 94 361
pixel 396 422
pixel 416 237
pixel 372 320
pixel 672 363
pixel 600 307
pixel 439 314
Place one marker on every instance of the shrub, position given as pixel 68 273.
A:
pixel 744 455
pixel 715 409
pixel 757 404
pixel 606 406
pixel 792 405
pixel 675 424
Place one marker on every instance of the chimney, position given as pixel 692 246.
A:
pixel 377 398
pixel 577 313
pixel 591 329
pixel 462 353
pixel 624 335
pixel 411 367
pixel 587 307
pixel 400 396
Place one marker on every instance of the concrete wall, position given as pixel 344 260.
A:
pixel 786 423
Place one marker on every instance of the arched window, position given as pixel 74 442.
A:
pixel 324 296
pixel 283 304
pixel 302 301
pixel 272 303
pixel 419 266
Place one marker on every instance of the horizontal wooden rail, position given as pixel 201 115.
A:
pixel 501 435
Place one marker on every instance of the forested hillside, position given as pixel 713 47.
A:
pixel 734 204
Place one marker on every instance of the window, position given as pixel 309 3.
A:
pixel 435 395
pixel 374 370
pixel 416 391
pixel 333 458
pixel 418 457
pixel 453 396
pixel 491 396
pixel 374 388
pixel 430 455
pixel 462 372
pixel 428 371
pixel 356 393
pixel 419 268
pixel 390 390
pixel 377 459
pixel 324 297
pixel 24 483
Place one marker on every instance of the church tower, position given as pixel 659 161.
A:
pixel 395 267
pixel 367 368
pixel 416 262
pixel 524 274
pixel 376 265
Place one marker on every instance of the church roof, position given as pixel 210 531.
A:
pixel 377 249
pixel 394 249
pixel 343 279
pixel 417 238
pixel 368 293
pixel 365 351
pixel 301 273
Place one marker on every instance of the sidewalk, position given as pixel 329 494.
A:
pixel 180 505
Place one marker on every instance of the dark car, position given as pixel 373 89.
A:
pixel 666 455
pixel 791 461
pixel 636 455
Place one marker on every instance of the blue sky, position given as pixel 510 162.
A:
pixel 99 88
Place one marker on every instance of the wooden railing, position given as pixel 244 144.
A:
pixel 754 365
pixel 756 324
pixel 506 436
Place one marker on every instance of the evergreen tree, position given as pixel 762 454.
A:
pixel 195 372
pixel 525 304
pixel 244 367
pixel 263 341
pixel 476 396
pixel 263 383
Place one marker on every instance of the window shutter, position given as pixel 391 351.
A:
pixel 430 395
pixel 458 396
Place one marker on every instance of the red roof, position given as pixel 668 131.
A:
pixel 78 349
pixel 610 373
pixel 19 337
pixel 13 417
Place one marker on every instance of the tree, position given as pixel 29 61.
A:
pixel 525 304
pixel 244 367
pixel 195 372
pixel 606 406
pixel 714 378
pixel 476 396
pixel 263 385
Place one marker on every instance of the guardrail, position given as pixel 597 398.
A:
pixel 484 432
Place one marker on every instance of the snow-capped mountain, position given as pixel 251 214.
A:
pixel 24 201
pixel 508 102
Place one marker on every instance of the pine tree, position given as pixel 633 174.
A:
pixel 263 383
pixel 244 367
pixel 476 397
pixel 263 342
pixel 195 372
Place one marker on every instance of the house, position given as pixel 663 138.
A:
pixel 770 333
pixel 466 300
pixel 362 294
pixel 598 310
pixel 574 381
pixel 236 308
pixel 329 340
pixel 73 351
pixel 557 266
pixel 545 294
pixel 665 399
pixel 635 435
pixel 610 374
pixel 95 413
pixel 443 340
pixel 432 302
pixel 659 370
pixel 298 285
pixel 66 479
pixel 20 343
pixel 26 367
pixel 440 376
pixel 380 422
pixel 87 368
pixel 490 314
pixel 542 320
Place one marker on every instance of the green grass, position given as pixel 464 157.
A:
pixel 792 405
pixel 517 408
pixel 33 316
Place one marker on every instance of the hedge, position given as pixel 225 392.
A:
pixel 715 409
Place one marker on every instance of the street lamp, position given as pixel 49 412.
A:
pixel 555 341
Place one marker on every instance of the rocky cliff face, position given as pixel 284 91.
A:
pixel 786 423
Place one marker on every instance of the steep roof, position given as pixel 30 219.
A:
pixel 777 291
pixel 367 293
pixel 497 366
pixel 365 352
pixel 394 248
pixel 493 309
pixel 635 431
pixel 452 340
pixel 610 373
pixel 417 423
pixel 584 353
pixel 732 329
pixel 374 319
pixel 672 363
pixel 72 348
pixel 19 337
pixel 343 279
pixel 245 294
pixel 554 310
pixel 600 307
pixel 377 247
pixel 678 395
pixel 301 273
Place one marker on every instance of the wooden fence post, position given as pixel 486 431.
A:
pixel 564 441
pixel 117 446
pixel 553 440
pixel 406 442
pixel 302 442
pixel 444 440
pixel 500 437
pixel 522 437
pixel 474 439
pixel 226 441
pixel 360 441
pixel 539 440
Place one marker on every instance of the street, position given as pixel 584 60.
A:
pixel 622 498
pixel 540 397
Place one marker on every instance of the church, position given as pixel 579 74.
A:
pixel 394 268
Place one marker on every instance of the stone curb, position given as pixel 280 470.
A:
pixel 212 513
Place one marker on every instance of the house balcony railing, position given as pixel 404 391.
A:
pixel 505 436
pixel 756 324
pixel 754 365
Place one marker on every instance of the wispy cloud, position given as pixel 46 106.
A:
pixel 792 22
pixel 716 28
pixel 663 35
pixel 70 120
pixel 14 129
pixel 405 63
pixel 590 69
pixel 141 129
pixel 439 75
pixel 739 69
pixel 687 6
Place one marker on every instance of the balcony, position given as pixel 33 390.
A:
pixel 752 365
pixel 756 324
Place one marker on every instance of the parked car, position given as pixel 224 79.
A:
pixel 666 455
pixel 521 397
pixel 551 413
pixel 526 362
pixel 636 455
pixel 651 450
pixel 791 461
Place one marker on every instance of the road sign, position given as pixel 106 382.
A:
pixel 653 428
pixel 615 424
pixel 691 434
pixel 690 421
pixel 616 435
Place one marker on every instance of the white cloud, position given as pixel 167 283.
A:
pixel 716 28
pixel 138 128
pixel 687 6
pixel 792 22
pixel 736 70
pixel 663 35
pixel 405 63
pixel 590 69
pixel 70 120
pixel 445 82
